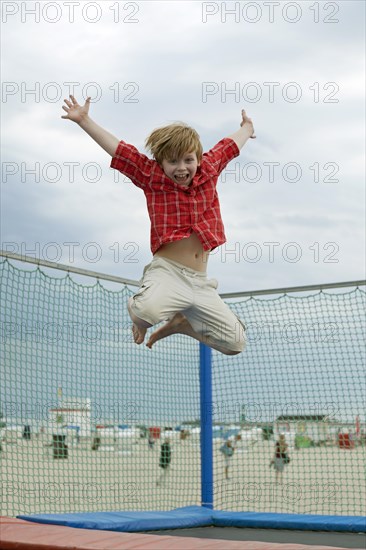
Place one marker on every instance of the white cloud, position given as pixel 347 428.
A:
pixel 169 53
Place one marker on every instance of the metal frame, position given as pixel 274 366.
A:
pixel 131 282
pixel 68 268
pixel 286 290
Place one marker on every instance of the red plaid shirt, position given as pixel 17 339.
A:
pixel 175 211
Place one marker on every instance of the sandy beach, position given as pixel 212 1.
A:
pixel 319 480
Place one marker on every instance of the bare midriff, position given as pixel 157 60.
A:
pixel 188 252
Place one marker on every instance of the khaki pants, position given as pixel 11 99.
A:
pixel 168 287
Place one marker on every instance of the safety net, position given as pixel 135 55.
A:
pixel 92 422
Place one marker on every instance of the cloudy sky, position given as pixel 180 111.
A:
pixel 292 203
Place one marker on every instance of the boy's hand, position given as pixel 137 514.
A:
pixel 248 122
pixel 76 112
pixel 79 114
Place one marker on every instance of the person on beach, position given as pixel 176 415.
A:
pixel 165 459
pixel 280 457
pixel 151 441
pixel 227 450
pixel 179 184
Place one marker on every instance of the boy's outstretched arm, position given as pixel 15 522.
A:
pixel 80 114
pixel 245 131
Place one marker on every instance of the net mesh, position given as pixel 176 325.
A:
pixel 302 376
pixel 89 419
pixel 90 398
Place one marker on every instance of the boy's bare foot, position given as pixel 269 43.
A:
pixel 177 325
pixel 138 333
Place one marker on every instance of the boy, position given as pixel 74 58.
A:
pixel 180 189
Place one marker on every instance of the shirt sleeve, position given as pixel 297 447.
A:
pixel 221 154
pixel 133 164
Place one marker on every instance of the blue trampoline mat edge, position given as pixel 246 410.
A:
pixel 198 516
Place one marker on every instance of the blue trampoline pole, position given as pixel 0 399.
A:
pixel 206 427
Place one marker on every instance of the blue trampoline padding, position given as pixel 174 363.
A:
pixel 197 516
pixel 130 522
pixel 304 522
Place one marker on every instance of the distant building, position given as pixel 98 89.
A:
pixel 73 413
pixel 314 427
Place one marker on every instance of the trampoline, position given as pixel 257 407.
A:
pixel 187 527
pixel 25 535
pixel 319 506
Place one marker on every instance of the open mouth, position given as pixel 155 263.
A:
pixel 181 178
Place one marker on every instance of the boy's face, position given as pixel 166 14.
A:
pixel 181 170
